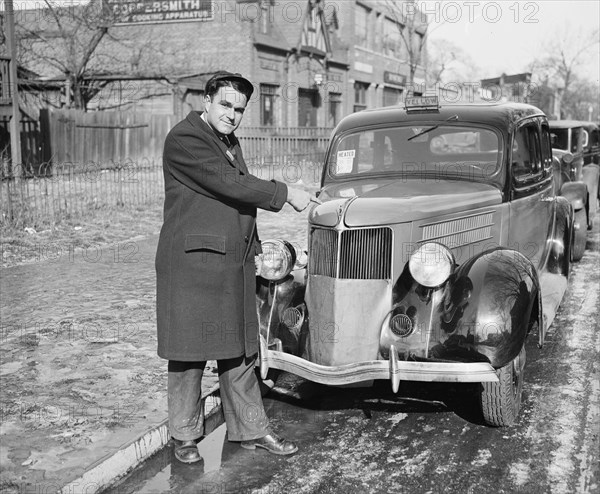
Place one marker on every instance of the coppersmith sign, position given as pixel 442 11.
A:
pixel 150 11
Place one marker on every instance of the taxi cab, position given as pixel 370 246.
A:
pixel 439 246
pixel 591 148
pixel 576 176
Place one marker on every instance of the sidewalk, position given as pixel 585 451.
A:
pixel 82 391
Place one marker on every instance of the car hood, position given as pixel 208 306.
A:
pixel 387 202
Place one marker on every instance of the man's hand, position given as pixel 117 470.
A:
pixel 298 198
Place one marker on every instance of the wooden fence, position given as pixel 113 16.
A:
pixel 114 159
pixel 105 139
pixel 32 146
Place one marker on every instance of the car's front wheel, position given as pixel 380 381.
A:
pixel 580 225
pixel 501 401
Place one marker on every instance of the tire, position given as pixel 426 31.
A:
pixel 501 401
pixel 580 234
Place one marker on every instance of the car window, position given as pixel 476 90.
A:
pixel 560 139
pixel 444 151
pixel 526 154
pixel 546 149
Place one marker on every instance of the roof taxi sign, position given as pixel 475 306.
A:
pixel 153 11
pixel 422 103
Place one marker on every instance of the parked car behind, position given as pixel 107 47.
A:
pixel 439 247
pixel 591 146
pixel 574 178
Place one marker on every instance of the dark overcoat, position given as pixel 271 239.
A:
pixel 205 269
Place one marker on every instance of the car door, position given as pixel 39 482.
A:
pixel 532 194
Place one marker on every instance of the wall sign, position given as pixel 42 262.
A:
pixel 154 11
pixel 394 78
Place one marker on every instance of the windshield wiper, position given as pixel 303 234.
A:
pixel 453 117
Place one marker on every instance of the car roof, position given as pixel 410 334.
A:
pixel 564 124
pixel 500 115
pixel 589 125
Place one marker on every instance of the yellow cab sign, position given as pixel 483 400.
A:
pixel 422 103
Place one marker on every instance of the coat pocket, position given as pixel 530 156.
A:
pixel 203 242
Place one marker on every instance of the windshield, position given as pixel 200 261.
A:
pixel 444 151
pixel 560 139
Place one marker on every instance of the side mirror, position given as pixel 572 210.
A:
pixel 586 138
pixel 568 158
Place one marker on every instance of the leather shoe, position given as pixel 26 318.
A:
pixel 187 451
pixel 273 444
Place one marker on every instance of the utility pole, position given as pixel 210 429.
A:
pixel 15 122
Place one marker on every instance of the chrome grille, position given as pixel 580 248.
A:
pixel 364 254
pixel 323 251
pixel 461 231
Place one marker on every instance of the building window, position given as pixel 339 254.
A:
pixel 377 32
pixel 361 25
pixel 5 96
pixel 392 41
pixel 360 95
pixel 391 96
pixel 335 106
pixel 266 11
pixel 308 102
pixel 267 104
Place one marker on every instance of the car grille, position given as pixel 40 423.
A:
pixel 364 254
pixel 461 231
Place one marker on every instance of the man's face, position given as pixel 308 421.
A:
pixel 224 112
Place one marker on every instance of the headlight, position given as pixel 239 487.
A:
pixel 277 260
pixel 431 264
pixel 568 158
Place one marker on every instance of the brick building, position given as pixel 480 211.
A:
pixel 514 87
pixel 312 61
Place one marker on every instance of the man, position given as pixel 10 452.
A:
pixel 206 286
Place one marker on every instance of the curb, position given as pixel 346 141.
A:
pixel 105 472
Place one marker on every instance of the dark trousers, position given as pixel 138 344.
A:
pixel 240 398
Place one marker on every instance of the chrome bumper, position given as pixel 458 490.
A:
pixel 393 369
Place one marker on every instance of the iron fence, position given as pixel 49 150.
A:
pixel 109 159
pixel 79 190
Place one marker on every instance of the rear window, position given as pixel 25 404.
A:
pixel 444 151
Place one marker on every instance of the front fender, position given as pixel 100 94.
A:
pixel 559 256
pixel 576 193
pixel 489 306
pixel 591 177
pixel 281 310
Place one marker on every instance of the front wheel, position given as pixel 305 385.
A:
pixel 580 225
pixel 501 401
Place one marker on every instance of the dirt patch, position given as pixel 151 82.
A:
pixel 100 228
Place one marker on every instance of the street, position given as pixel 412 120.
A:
pixel 429 438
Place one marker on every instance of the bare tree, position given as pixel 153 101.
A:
pixel 565 55
pixel 89 47
pixel 412 26
pixel 64 40
pixel 447 62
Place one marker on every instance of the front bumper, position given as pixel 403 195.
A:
pixel 393 369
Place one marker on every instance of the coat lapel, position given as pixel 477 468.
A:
pixel 232 154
